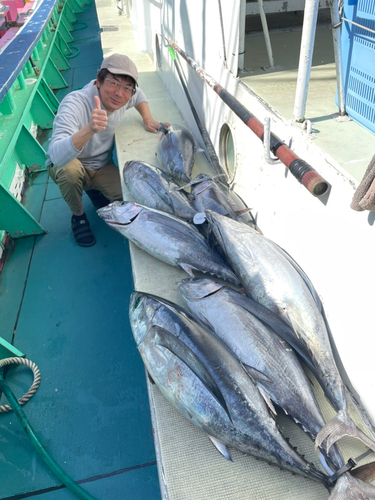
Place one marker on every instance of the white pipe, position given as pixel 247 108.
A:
pixel 267 142
pixel 336 33
pixel 305 58
pixel 266 32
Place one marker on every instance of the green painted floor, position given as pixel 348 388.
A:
pixel 66 308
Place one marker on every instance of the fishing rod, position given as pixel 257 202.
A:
pixel 299 168
pixel 211 154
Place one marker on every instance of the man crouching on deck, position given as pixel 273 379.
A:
pixel 79 156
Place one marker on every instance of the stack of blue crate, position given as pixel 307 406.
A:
pixel 358 45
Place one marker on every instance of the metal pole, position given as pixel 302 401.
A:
pixel 222 32
pixel 210 150
pixel 336 34
pixel 305 58
pixel 241 41
pixel 266 33
pixel 301 170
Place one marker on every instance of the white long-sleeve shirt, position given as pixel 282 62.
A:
pixel 73 114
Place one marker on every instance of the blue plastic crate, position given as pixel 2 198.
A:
pixel 358 51
pixel 366 9
pixel 360 95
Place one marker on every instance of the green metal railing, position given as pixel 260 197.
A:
pixel 28 105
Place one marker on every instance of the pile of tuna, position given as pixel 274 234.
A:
pixel 227 359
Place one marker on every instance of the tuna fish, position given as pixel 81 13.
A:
pixel 165 237
pixel 154 188
pixel 270 361
pixel 212 194
pixel 269 276
pixel 176 152
pixel 198 374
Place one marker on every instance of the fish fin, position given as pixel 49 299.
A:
pixel 365 472
pixel 257 375
pixel 267 399
pixel 221 448
pixel 243 211
pixel 187 269
pixel 255 222
pixel 350 488
pixel 298 344
pixel 186 355
pixel 362 414
pixel 296 327
pixel 341 425
pixel 151 380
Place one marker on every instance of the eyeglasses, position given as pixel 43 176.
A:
pixel 116 85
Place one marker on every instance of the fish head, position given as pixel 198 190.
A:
pixel 142 309
pixel 176 152
pixel 138 171
pixel 185 141
pixel 120 213
pixel 197 289
pixel 130 169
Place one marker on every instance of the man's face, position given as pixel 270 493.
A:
pixel 115 91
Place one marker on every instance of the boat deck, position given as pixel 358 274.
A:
pixel 66 308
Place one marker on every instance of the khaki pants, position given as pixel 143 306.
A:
pixel 73 178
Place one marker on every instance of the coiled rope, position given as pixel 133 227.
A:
pixel 36 383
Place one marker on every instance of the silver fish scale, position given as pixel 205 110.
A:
pixel 165 237
pixel 251 429
pixel 272 363
pixel 270 279
pixel 280 372
pixel 154 188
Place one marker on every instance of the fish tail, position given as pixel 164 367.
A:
pixel 162 128
pixel 341 425
pixel 350 488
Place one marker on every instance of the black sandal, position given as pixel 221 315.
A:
pixel 82 232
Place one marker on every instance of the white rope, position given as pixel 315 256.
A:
pixel 33 388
